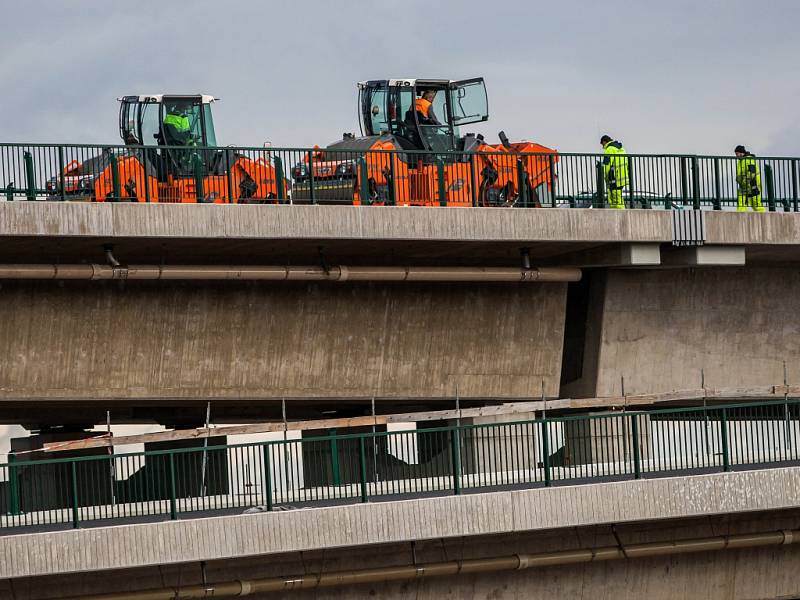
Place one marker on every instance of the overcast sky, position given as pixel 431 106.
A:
pixel 678 76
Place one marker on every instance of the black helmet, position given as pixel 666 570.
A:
pixel 739 149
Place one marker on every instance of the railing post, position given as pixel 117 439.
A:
pixel 393 186
pixel 441 182
pixel 553 180
pixel 363 182
pixel 335 472
pixel 455 451
pixel 362 467
pixel 62 192
pixel 229 177
pixel 523 186
pixel 173 502
pixel 684 180
pixel 74 478
pixel 197 162
pixel 311 194
pixel 723 426
pixel 115 185
pixel 600 198
pixel 546 452
pixel 770 187
pixel 146 169
pixel 280 191
pixel 695 183
pixel 717 186
pixel 268 475
pixel 472 183
pixel 30 177
pixel 637 459
pixel 795 194
pixel 631 181
pixel 13 486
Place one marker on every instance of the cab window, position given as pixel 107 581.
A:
pixel 211 136
pixel 191 110
pixel 469 102
pixel 150 123
pixel 377 111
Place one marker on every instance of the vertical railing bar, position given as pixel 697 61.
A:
pixel 546 452
pixel 75 516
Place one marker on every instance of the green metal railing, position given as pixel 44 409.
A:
pixel 372 177
pixel 170 484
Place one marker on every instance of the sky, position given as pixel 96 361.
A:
pixel 678 76
pixel 663 77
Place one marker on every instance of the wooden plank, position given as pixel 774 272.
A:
pixel 513 408
pixel 274 427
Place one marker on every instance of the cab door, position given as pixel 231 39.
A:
pixel 469 102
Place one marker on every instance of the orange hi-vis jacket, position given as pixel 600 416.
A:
pixel 422 106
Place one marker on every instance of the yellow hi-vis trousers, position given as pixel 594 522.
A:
pixel 615 199
pixel 754 202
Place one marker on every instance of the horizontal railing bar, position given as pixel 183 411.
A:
pixel 305 149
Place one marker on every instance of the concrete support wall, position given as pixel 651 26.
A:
pixel 235 340
pixel 375 523
pixel 659 328
pixel 604 440
pixel 748 574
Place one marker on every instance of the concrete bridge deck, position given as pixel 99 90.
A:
pixel 45 231
pixel 138 545
pixel 171 555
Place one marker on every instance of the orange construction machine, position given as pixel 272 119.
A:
pixel 431 162
pixel 170 156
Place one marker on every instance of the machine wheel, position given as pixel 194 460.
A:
pixel 505 196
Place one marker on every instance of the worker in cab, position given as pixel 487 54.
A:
pixel 615 170
pixel 424 108
pixel 748 181
pixel 176 127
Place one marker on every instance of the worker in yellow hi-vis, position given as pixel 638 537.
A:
pixel 748 180
pixel 615 170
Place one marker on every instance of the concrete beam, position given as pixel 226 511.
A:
pixel 130 546
pixel 110 220
pixel 259 342
pixel 706 256
pixel 636 254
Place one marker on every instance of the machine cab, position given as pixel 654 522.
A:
pixel 424 114
pixel 162 120
pixel 182 122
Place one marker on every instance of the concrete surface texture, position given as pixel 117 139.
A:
pixel 110 220
pixel 660 328
pixel 131 546
pixel 238 340
pixel 755 573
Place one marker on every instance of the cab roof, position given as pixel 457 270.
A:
pixel 408 82
pixel 204 98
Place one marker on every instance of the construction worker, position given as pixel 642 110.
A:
pixel 615 170
pixel 424 108
pixel 748 180
pixel 176 127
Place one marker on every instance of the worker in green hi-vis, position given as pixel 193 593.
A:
pixel 176 127
pixel 748 181
pixel 615 170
